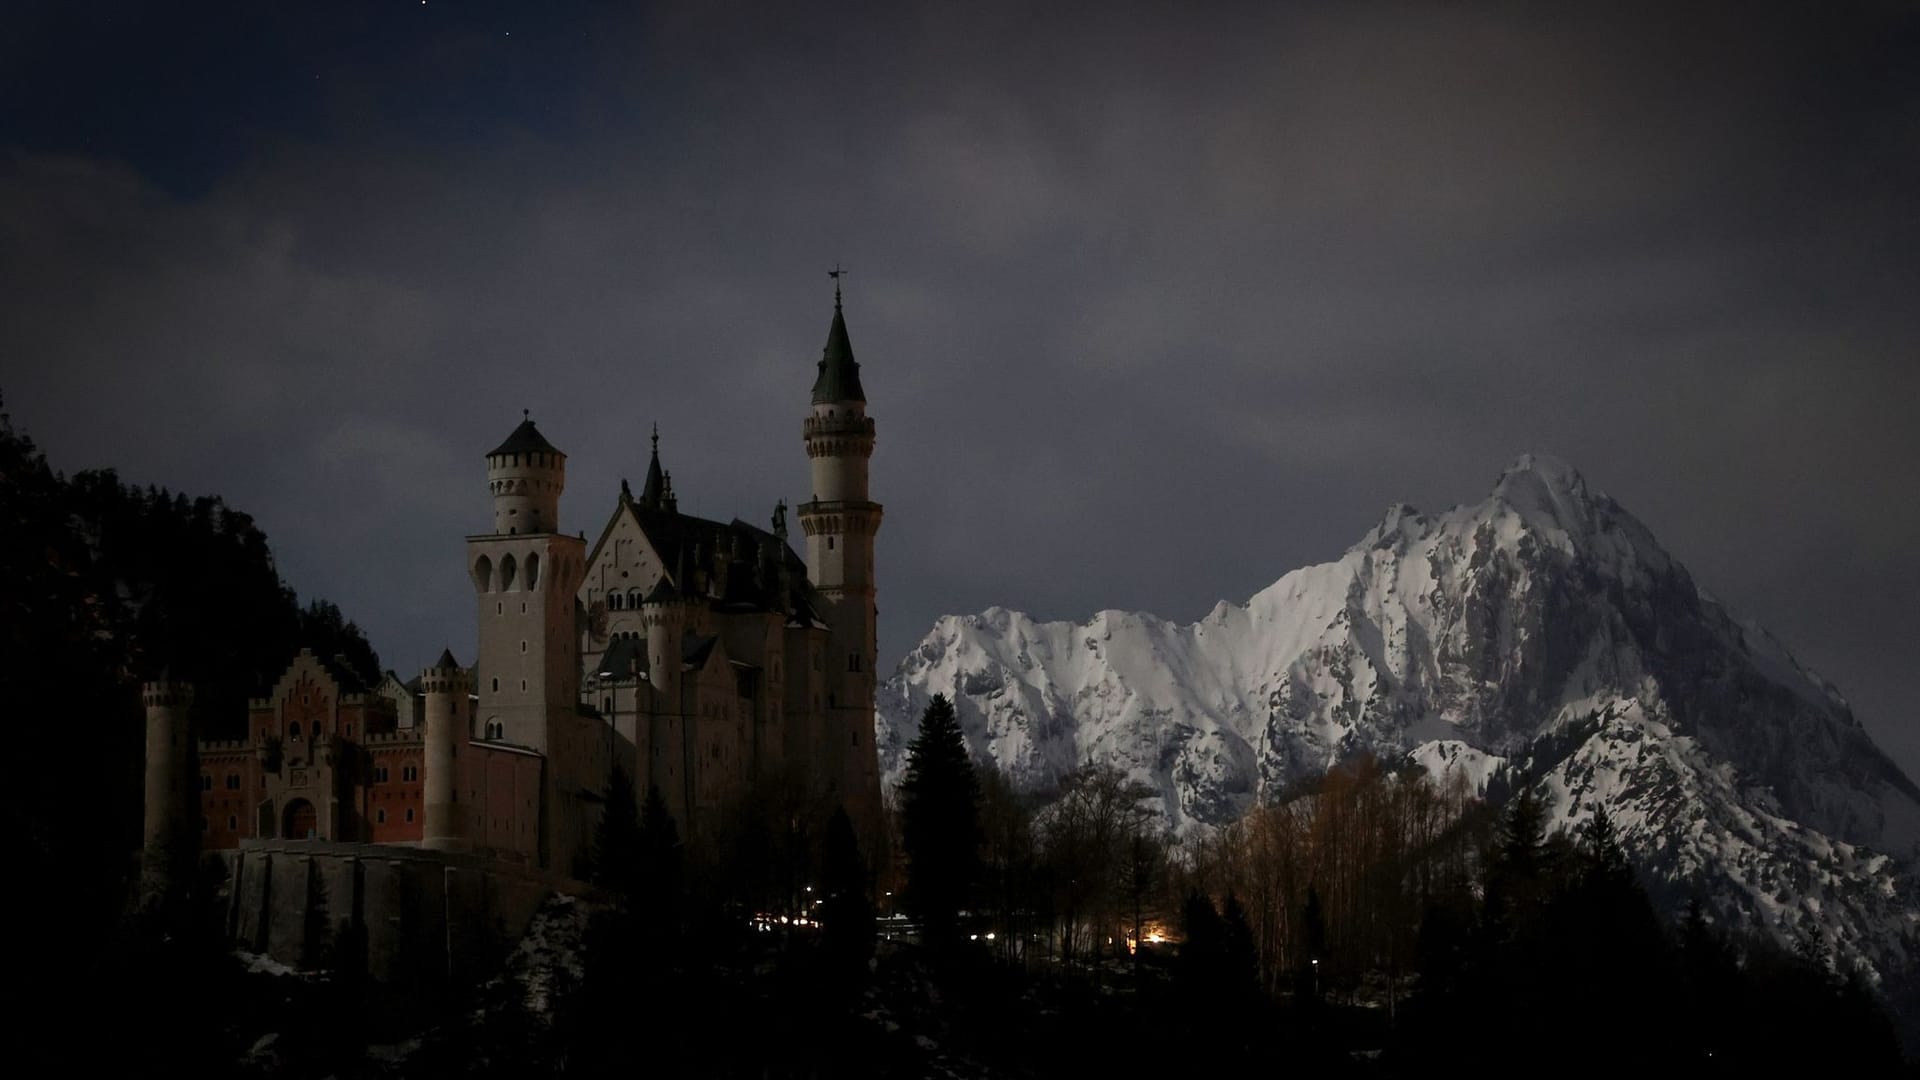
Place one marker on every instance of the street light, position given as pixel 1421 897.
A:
pixel 1316 979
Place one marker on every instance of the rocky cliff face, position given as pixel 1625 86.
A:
pixel 1541 636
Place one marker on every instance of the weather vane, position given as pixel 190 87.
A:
pixel 835 274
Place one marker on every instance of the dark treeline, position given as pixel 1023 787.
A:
pixel 1370 922
pixel 106 584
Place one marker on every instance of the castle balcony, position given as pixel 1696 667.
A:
pixel 849 424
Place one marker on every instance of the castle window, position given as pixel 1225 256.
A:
pixel 523 646
pixel 233 781
pixel 853 662
pixel 206 781
pixel 409 773
pixel 349 731
pixel 233 823
pixel 409 815
pixel 496 686
pixel 380 817
pixel 379 774
pixel 293 730
pixel 523 685
pixel 829 543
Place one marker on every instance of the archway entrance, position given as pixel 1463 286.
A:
pixel 301 822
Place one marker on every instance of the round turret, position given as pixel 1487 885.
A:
pixel 171 795
pixel 445 687
pixel 526 475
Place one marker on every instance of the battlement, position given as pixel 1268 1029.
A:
pixel 160 695
pixel 395 740
pixel 225 746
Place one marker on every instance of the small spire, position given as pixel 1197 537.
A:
pixel 655 491
pixel 836 273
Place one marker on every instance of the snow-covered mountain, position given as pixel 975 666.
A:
pixel 1541 636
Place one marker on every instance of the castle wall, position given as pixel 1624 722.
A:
pixel 395 791
pixel 409 915
pixel 504 788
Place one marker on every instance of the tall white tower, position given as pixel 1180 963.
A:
pixel 840 522
pixel 526 574
pixel 172 793
pixel 445 686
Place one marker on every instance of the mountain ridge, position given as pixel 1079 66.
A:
pixel 1541 636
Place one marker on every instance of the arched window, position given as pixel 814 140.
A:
pixel 483 574
pixel 613 601
pixel 380 816
pixel 206 781
pixel 293 730
pixel 233 781
pixel 533 570
pixel 633 598
pixel 409 773
pixel 508 570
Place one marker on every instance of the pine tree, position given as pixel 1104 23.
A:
pixel 939 810
pixel 847 912
pixel 657 892
pixel 616 840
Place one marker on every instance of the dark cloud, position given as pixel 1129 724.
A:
pixel 1154 303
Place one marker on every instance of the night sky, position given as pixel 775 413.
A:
pixel 1153 303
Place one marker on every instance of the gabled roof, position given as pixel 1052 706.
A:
pixel 623 658
pixel 526 439
pixel 695 650
pixel 839 378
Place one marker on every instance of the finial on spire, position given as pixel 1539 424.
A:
pixel 526 414
pixel 836 274
pixel 656 438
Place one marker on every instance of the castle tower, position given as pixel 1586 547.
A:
pixel 840 522
pixel 663 760
pixel 445 686
pixel 172 796
pixel 526 574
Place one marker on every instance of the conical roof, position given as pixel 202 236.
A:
pixel 446 660
pixel 656 486
pixel 839 378
pixel 526 439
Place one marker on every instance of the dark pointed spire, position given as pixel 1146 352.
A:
pixel 654 493
pixel 446 660
pixel 839 378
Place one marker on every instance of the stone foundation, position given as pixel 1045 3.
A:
pixel 408 915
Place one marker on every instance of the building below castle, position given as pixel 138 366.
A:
pixel 708 660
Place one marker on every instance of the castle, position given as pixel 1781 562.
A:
pixel 707 660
